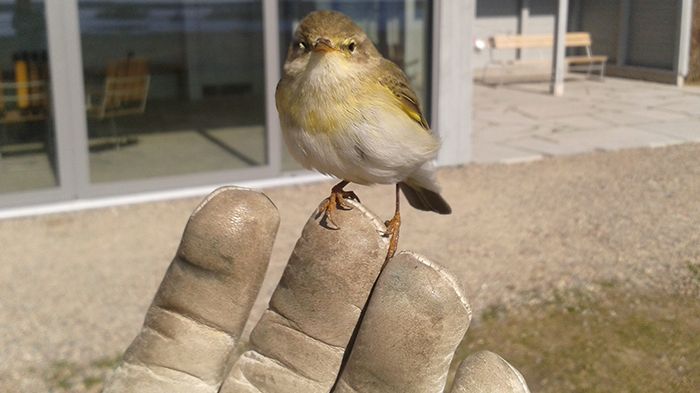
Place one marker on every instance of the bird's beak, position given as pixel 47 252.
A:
pixel 323 45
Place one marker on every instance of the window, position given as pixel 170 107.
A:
pixel 172 88
pixel 27 140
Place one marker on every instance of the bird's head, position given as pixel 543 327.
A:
pixel 330 42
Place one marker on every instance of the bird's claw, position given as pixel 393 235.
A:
pixel 336 201
pixel 341 195
pixel 326 210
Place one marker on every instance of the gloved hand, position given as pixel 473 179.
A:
pixel 416 316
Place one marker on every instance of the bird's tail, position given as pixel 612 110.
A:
pixel 422 192
pixel 424 199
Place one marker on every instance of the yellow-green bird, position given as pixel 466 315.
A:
pixel 348 112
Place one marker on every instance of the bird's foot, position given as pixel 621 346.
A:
pixel 392 231
pixel 336 201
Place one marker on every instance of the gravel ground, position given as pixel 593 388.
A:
pixel 74 287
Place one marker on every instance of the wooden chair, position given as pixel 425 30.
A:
pixel 124 92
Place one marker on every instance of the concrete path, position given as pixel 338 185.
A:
pixel 522 122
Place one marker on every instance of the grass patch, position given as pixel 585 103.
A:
pixel 602 340
pixel 63 376
pixel 60 373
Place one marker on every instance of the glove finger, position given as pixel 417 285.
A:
pixel 487 372
pixel 300 341
pixel 203 302
pixel 414 321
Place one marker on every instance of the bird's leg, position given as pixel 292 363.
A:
pixel 392 229
pixel 337 200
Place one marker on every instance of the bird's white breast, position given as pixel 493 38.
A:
pixel 352 128
pixel 380 147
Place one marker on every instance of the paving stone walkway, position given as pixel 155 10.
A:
pixel 522 122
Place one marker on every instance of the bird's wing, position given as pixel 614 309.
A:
pixel 396 81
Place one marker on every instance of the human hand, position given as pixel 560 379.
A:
pixel 314 336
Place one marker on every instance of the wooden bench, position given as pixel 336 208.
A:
pixel 587 62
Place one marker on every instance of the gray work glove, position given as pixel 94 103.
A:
pixel 416 317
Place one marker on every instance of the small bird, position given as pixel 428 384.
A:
pixel 348 112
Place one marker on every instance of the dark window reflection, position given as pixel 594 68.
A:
pixel 27 154
pixel 173 87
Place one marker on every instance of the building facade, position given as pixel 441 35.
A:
pixel 643 39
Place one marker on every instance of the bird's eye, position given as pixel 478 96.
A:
pixel 301 45
pixel 351 47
